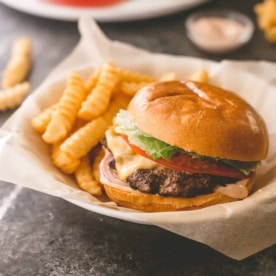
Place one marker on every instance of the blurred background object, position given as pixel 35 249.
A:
pixel 85 3
pixel 105 11
pixel 266 19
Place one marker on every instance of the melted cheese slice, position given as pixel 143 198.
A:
pixel 127 161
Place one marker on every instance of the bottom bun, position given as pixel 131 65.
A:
pixel 134 199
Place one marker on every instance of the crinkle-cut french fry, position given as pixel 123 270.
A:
pixel 266 14
pixel 266 19
pixel 130 76
pixel 66 113
pixel 41 121
pixel 64 161
pixel 92 80
pixel 169 76
pixel 270 34
pixel 19 64
pixel 96 164
pixel 14 96
pixel 84 139
pixel 85 178
pixel 79 123
pixel 131 88
pixel 200 76
pixel 98 100
pixel 120 101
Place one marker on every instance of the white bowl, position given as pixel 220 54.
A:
pixel 219 31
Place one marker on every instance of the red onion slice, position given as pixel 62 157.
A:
pixel 108 175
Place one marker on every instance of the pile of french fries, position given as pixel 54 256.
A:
pixel 14 87
pixel 74 126
pixel 266 19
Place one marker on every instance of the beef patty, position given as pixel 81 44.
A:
pixel 169 182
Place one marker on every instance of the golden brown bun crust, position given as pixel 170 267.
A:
pixel 134 199
pixel 201 118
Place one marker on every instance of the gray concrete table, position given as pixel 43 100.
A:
pixel 43 235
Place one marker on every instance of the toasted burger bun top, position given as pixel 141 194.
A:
pixel 200 118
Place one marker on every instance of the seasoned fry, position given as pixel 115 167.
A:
pixel 12 97
pixel 200 76
pixel 85 178
pixel 131 88
pixel 79 123
pixel 92 80
pixel 119 102
pixel 64 161
pixel 270 34
pixel 266 19
pixel 66 113
pixel 41 121
pixel 19 64
pixel 169 76
pixel 96 164
pixel 84 139
pixel 98 100
pixel 266 12
pixel 130 76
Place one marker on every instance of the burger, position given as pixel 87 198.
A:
pixel 182 145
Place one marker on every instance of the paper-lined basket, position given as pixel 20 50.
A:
pixel 238 229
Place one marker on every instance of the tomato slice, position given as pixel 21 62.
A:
pixel 185 162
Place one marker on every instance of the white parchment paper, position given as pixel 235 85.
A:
pixel 238 229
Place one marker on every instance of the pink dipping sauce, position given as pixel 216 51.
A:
pixel 218 34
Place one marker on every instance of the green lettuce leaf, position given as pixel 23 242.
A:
pixel 156 148
pixel 153 147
